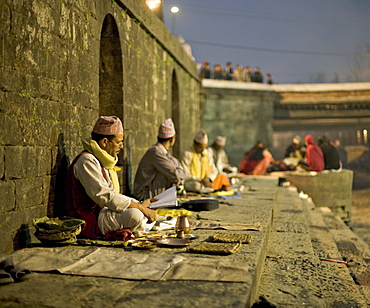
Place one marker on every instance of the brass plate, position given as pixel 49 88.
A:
pixel 172 241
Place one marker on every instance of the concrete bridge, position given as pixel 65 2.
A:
pixel 247 112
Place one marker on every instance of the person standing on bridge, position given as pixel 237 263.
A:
pixel 229 71
pixel 238 73
pixel 257 76
pixel 205 71
pixel 247 74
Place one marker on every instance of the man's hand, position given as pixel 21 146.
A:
pixel 207 183
pixel 148 202
pixel 144 208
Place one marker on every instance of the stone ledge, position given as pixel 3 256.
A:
pixel 327 189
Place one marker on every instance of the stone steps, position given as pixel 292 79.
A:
pixel 293 274
pixel 351 248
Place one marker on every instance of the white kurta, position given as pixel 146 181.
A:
pixel 115 214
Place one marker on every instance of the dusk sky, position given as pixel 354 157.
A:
pixel 294 40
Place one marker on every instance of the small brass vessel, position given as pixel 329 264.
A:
pixel 182 224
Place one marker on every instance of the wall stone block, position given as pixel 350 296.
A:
pixel 48 194
pixel 26 162
pixel 28 192
pixel 7 190
pixel 2 162
pixel 11 223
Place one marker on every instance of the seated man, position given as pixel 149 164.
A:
pixel 294 153
pixel 331 154
pixel 201 173
pixel 92 188
pixel 158 169
pixel 220 157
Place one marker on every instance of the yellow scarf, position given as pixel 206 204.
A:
pixel 108 161
pixel 199 165
pixel 298 154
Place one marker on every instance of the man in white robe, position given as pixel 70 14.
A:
pixel 92 188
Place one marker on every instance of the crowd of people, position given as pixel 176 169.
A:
pixel 325 155
pixel 92 186
pixel 240 73
pixel 93 190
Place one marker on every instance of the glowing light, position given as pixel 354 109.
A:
pixel 358 134
pixel 175 9
pixel 153 4
pixel 364 132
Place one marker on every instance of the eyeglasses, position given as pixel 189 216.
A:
pixel 120 144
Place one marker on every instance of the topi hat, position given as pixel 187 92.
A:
pixel 108 125
pixel 201 137
pixel 166 129
pixel 297 138
pixel 220 140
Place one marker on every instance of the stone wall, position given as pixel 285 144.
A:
pixel 243 112
pixel 64 63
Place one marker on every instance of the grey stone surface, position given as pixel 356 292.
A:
pixel 283 257
pixel 256 206
pixel 293 274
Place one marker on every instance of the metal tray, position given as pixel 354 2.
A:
pixel 174 242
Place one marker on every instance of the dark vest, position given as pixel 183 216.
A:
pixel 80 205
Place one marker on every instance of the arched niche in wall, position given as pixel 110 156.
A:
pixel 111 82
pixel 176 113
pixel 110 70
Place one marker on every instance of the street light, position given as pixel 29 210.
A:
pixel 153 4
pixel 174 10
pixel 156 7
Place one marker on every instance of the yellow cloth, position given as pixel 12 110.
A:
pixel 108 161
pixel 172 213
pixel 298 154
pixel 199 165
pixel 222 193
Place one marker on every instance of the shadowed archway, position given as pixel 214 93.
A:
pixel 175 103
pixel 111 82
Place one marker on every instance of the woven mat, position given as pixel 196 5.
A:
pixel 216 248
pixel 230 238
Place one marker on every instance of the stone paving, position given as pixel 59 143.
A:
pixel 283 260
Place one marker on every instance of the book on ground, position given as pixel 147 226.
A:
pixel 168 198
